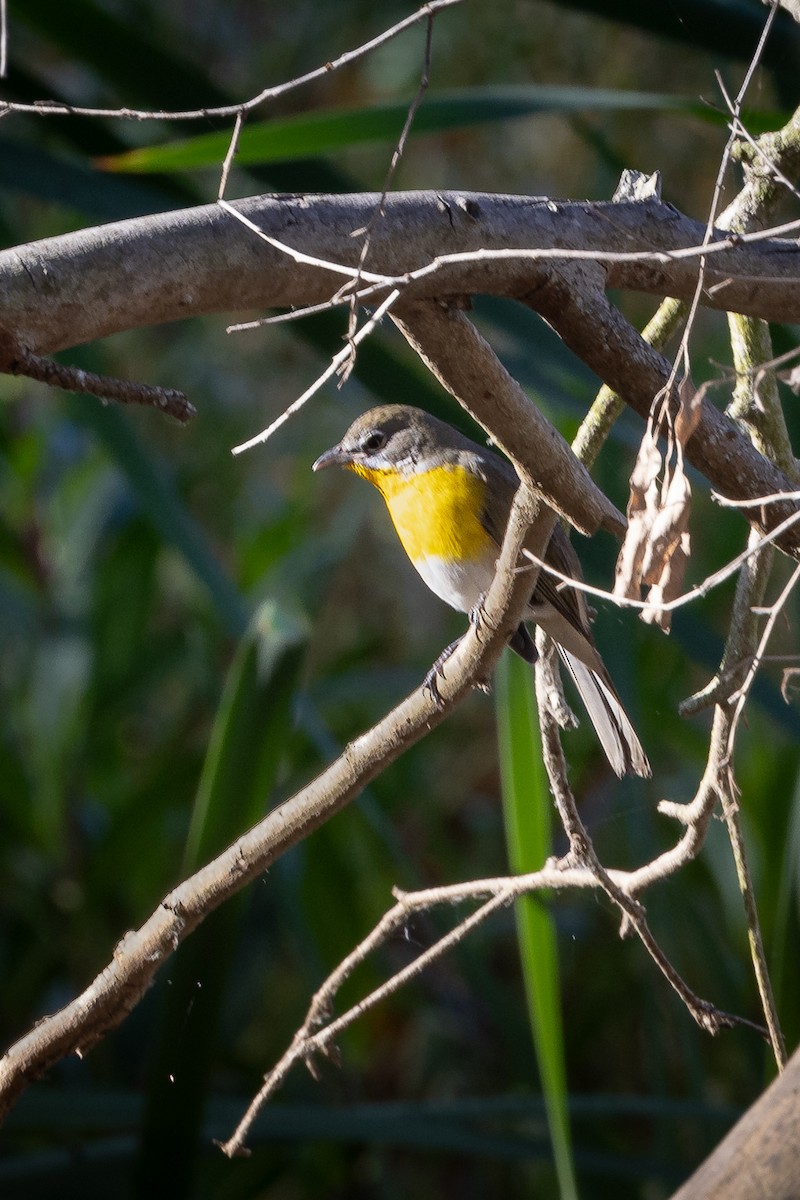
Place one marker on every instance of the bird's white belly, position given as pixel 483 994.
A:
pixel 460 584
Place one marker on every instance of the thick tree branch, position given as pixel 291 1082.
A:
pixel 68 290
pixel 72 289
pixel 759 1155
pixel 598 333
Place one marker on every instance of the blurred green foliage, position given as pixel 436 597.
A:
pixel 187 638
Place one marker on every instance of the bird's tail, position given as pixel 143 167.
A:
pixel 612 724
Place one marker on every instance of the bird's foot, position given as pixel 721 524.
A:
pixel 476 613
pixel 431 681
pixel 431 685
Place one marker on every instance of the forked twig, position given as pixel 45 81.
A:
pixel 336 364
pixel 306 1042
pixel 583 854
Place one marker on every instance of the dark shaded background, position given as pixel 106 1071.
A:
pixel 133 554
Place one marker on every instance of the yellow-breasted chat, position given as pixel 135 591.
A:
pixel 449 500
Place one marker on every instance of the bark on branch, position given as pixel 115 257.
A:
pixel 599 335
pixel 557 257
pixel 68 290
pixel 458 356
pixel 759 1155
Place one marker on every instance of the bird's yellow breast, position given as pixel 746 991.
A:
pixel 437 513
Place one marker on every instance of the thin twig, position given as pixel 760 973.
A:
pixel 295 314
pixel 231 154
pixel 740 130
pixel 695 593
pixel 53 108
pixel 15 360
pixel 583 854
pixel 730 811
pixel 306 1043
pixel 775 611
pixel 308 260
pixel 378 214
pixel 336 363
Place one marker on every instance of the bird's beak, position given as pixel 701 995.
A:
pixel 335 457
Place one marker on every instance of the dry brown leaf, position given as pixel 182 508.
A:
pixel 657 546
pixel 689 411
pixel 670 522
pixel 668 551
pixel 642 510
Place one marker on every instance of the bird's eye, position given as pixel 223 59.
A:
pixel 373 442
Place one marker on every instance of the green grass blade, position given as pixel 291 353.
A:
pixel 249 734
pixel 527 809
pixel 321 132
pixel 246 749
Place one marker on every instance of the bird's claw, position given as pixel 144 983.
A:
pixel 476 613
pixel 430 682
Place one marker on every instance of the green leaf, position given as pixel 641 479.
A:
pixel 35 171
pixel 787 908
pixel 245 753
pixel 249 734
pixel 527 810
pixel 317 133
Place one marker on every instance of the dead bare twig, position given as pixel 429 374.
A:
pixel 337 363
pixel 16 360
pixel 50 108
pixel 379 212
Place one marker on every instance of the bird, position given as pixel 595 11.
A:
pixel 449 500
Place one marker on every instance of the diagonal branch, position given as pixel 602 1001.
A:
pixel 458 355
pixel 54 108
pixel 598 333
pixel 137 958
